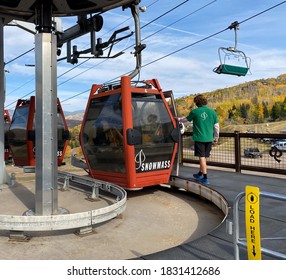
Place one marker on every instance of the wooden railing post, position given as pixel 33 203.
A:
pixel 237 152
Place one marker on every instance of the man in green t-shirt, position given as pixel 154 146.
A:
pixel 205 133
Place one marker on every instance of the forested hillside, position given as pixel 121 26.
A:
pixel 258 106
pixel 253 102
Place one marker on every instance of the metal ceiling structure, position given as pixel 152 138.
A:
pixel 41 12
pixel 26 9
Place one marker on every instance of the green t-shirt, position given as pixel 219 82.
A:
pixel 204 119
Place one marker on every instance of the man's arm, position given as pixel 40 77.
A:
pixel 216 132
pixel 182 119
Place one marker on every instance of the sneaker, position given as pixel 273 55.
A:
pixel 204 181
pixel 198 177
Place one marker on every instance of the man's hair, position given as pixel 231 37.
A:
pixel 200 100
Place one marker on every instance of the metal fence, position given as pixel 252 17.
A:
pixel 235 151
pixel 271 245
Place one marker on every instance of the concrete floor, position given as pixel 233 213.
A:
pixel 156 218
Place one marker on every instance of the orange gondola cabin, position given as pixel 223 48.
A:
pixel 21 135
pixel 129 135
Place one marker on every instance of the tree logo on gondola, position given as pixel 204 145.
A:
pixel 139 159
pixel 142 165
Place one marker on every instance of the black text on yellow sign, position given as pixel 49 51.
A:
pixel 252 223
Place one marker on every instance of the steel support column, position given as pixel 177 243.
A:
pixel 4 178
pixel 46 197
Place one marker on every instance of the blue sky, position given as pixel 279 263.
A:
pixel 175 54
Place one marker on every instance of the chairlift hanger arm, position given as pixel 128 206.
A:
pixel 235 26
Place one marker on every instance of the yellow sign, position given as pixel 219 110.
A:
pixel 252 223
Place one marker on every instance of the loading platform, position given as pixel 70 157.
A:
pixel 218 244
pixel 186 234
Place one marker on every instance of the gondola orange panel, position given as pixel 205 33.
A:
pixel 7 122
pixel 21 135
pixel 129 135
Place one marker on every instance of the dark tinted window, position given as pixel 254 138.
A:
pixel 62 132
pixel 17 134
pixel 102 135
pixel 152 120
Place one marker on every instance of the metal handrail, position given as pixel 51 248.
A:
pixel 238 165
pixel 241 242
pixel 80 220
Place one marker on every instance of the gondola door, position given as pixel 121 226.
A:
pixel 154 134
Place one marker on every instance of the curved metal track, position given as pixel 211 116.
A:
pixel 85 220
pixel 76 220
pixel 203 191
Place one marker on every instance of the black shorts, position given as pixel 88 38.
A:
pixel 203 149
